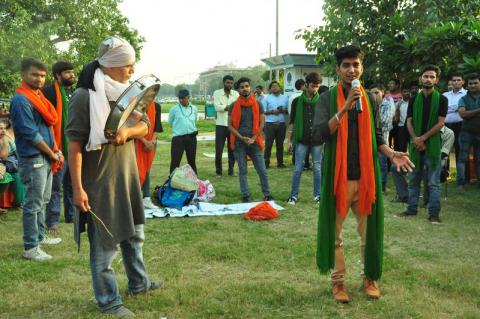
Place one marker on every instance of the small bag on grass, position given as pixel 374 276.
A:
pixel 171 197
pixel 184 178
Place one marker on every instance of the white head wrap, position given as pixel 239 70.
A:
pixel 115 52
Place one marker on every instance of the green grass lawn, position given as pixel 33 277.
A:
pixel 226 267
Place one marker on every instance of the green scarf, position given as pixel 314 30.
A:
pixel 301 101
pixel 328 211
pixel 433 143
pixel 64 120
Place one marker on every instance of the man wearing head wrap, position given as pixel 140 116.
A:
pixel 105 177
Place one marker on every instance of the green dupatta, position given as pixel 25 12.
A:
pixel 301 101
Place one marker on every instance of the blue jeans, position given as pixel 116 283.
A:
pixel 466 141
pixel 105 285
pixel 36 174
pixel 241 151
pixel 433 176
pixel 301 151
pixel 383 169
pixel 400 183
pixel 61 184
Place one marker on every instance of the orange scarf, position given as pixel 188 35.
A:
pixel 145 158
pixel 366 192
pixel 57 127
pixel 236 116
pixel 46 110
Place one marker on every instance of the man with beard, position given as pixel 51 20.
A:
pixel 222 99
pixel 33 117
pixel 106 185
pixel 351 174
pixel 246 121
pixel 58 94
pixel 425 118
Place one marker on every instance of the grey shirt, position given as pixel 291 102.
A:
pixel 109 177
pixel 246 120
pixel 322 132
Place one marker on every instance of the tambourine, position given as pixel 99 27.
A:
pixel 132 104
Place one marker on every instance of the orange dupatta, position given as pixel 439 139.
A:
pixel 144 157
pixel 236 116
pixel 57 127
pixel 46 110
pixel 366 192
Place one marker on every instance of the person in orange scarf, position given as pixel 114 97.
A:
pixel 246 121
pixel 58 94
pixel 33 117
pixel 351 174
pixel 145 152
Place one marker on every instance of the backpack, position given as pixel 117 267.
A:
pixel 171 197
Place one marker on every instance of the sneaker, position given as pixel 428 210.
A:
pixel 50 240
pixel 36 253
pixel 267 198
pixel 147 203
pixel 54 229
pixel 370 287
pixel 316 199
pixel 292 200
pixel 246 199
pixel 154 285
pixel 340 293
pixel 121 312
pixel 434 220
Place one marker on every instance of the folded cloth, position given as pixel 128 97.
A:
pixel 263 211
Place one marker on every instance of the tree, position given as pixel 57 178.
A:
pixel 50 30
pixel 398 37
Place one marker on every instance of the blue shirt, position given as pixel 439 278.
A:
pixel 182 119
pixel 29 127
pixel 272 102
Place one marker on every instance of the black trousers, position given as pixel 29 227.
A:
pixel 222 134
pixel 184 143
pixel 274 132
pixel 401 138
pixel 456 128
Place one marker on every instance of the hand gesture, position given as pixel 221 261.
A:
pixel 353 96
pixel 402 162
pixel 121 136
pixel 80 199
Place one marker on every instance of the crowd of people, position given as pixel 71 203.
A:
pixel 355 137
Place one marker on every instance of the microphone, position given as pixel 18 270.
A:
pixel 358 103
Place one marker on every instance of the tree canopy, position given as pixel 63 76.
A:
pixel 399 36
pixel 50 30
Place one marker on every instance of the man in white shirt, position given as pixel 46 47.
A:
pixel 453 120
pixel 222 99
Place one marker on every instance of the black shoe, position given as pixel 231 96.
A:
pixel 267 166
pixel 307 168
pixel 406 214
pixel 267 198
pixel 281 166
pixel 154 285
pixel 434 220
pixel 246 199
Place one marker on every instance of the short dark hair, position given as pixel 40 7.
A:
pixel 473 76
pixel 397 81
pixel 242 80
pixel 29 62
pixel 348 51
pixel 259 87
pixel 314 77
pixel 227 77
pixel 431 67
pixel 272 83
pixel 456 74
pixel 299 83
pixel 379 86
pixel 61 66
pixel 406 86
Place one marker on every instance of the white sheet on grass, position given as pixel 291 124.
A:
pixel 206 209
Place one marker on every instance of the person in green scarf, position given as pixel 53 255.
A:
pixel 340 123
pixel 301 127
pixel 425 118
pixel 64 80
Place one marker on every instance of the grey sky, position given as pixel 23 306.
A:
pixel 185 37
